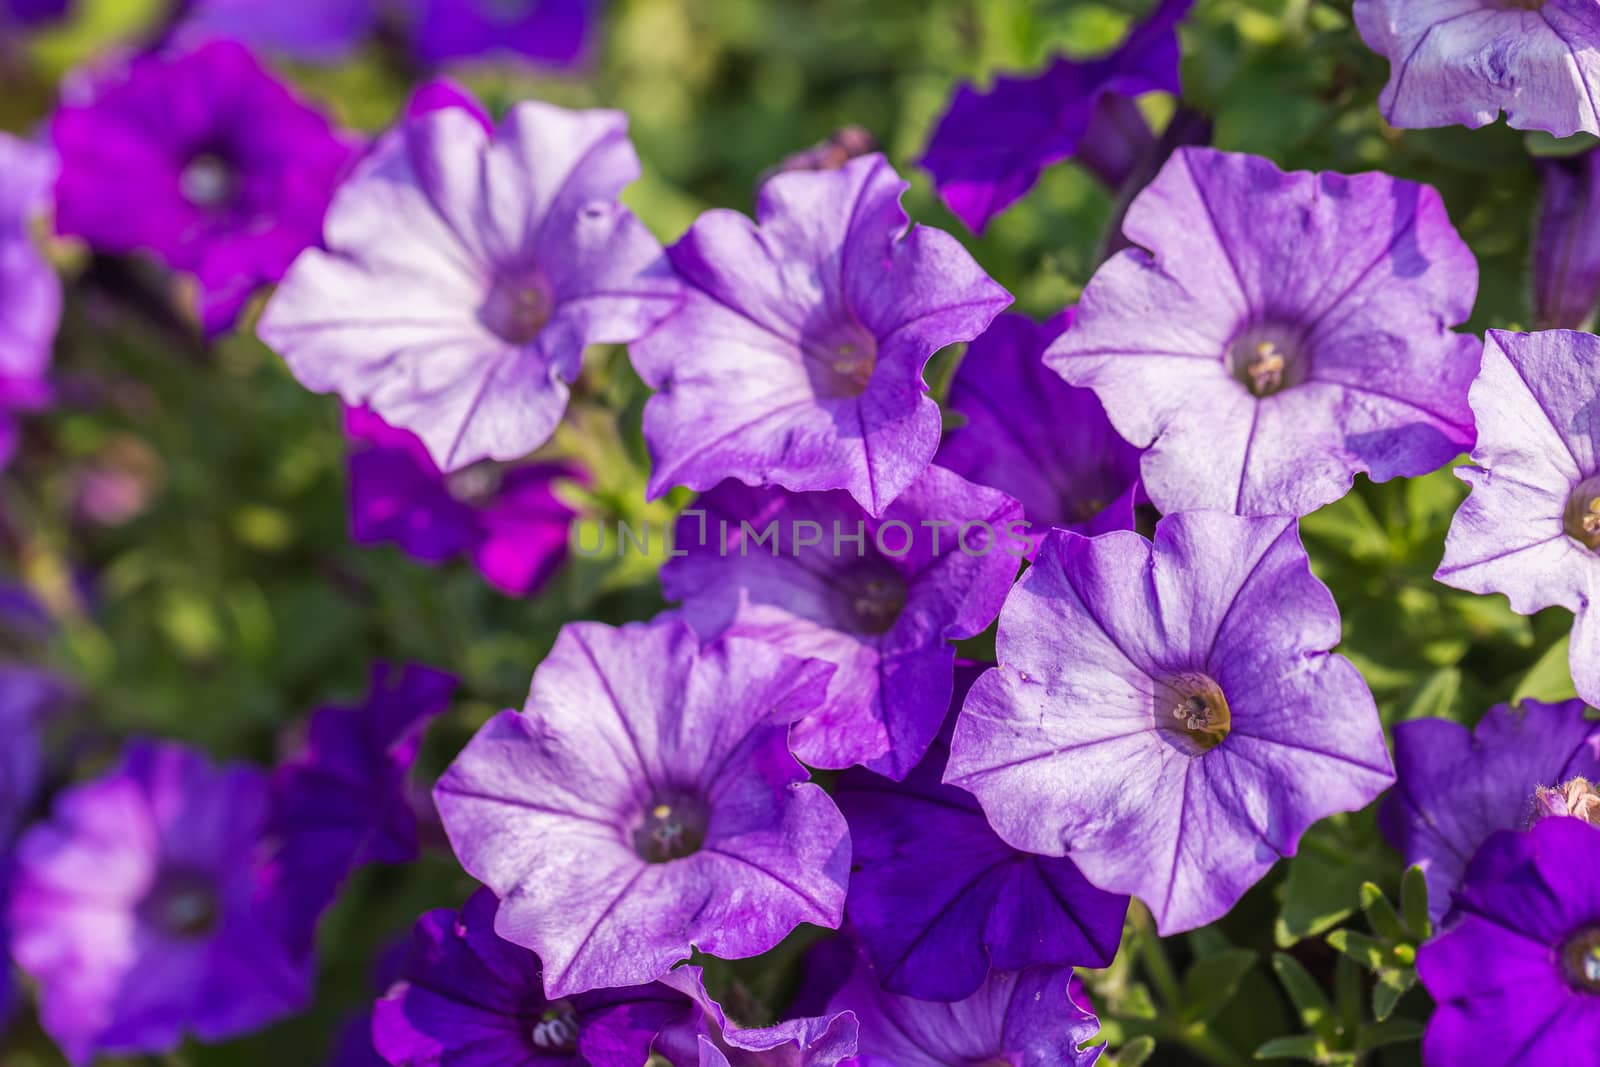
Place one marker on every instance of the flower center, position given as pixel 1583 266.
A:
pixel 557 1029
pixel 517 308
pixel 1266 360
pixel 872 596
pixel 182 904
pixel 840 360
pixel 1577 799
pixel 207 181
pixel 1581 520
pixel 1192 713
pixel 671 827
pixel 1580 960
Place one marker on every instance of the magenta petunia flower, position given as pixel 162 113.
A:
pixel 30 292
pixel 466 998
pixel 990 146
pixel 1530 528
pixel 880 598
pixel 1169 715
pixel 937 899
pixel 797 359
pixel 466 325
pixel 1566 243
pixel 1457 787
pixel 1282 333
pixel 1047 443
pixel 505 517
pixel 645 802
pixel 315 31
pixel 137 910
pixel 554 33
pixel 202 158
pixel 1463 62
pixel 1517 976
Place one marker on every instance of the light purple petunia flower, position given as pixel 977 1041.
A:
pixel 466 325
pixel 467 998
pixel 1282 333
pixel 1463 62
pixel 553 33
pixel 880 598
pixel 797 359
pixel 202 158
pixel 1036 1017
pixel 1047 443
pixel 137 910
pixel 315 31
pixel 990 147
pixel 937 899
pixel 1566 243
pixel 505 517
pixel 1169 715
pixel 30 292
pixel 710 1039
pixel 1517 976
pixel 644 802
pixel 1457 787
pixel 1530 528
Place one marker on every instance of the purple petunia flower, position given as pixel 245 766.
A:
pixel 465 325
pixel 1283 332
pixel 1457 787
pixel 797 359
pixel 1036 1017
pixel 1463 62
pixel 204 159
pixel 1168 715
pixel 506 518
pixel 1530 528
pixel 137 910
pixel 1047 443
pixel 644 802
pixel 709 1039
pixel 316 31
pixel 1566 243
pixel 937 898
pixel 31 12
pixel 30 292
pixel 28 697
pixel 1517 976
pixel 880 598
pixel 466 998
pixel 555 33
pixel 990 147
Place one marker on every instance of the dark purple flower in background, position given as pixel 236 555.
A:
pixel 29 696
pixel 1031 1018
pixel 1457 787
pixel 1566 243
pixel 465 325
pixel 797 359
pixel 555 33
pixel 990 146
pixel 1169 715
pixel 466 998
pixel 1530 528
pixel 1047 443
pixel 506 518
pixel 1517 975
pixel 937 899
pixel 1463 62
pixel 30 13
pixel 30 292
pixel 1282 333
pixel 644 802
pixel 315 31
pixel 202 158
pixel 880 598
pixel 137 910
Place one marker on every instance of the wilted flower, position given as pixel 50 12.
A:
pixel 1566 243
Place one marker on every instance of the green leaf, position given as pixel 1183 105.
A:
pixel 1367 951
pixel 1392 985
pixel 1436 696
pixel 1320 893
pixel 1389 1032
pixel 1549 679
pixel 1414 903
pixel 1381 914
pixel 1212 981
pixel 1132 1054
pixel 1298 1047
pixel 1310 1002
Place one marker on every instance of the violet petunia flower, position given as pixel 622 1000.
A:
pixel 645 802
pixel 1566 243
pixel 137 910
pixel 314 31
pixel 1169 715
pixel 506 518
pixel 30 292
pixel 1047 443
pixel 466 325
pixel 1517 976
pixel 467 998
pixel 551 33
pixel 1463 62
pixel 1530 528
pixel 1456 787
pixel 1282 333
pixel 882 599
pixel 990 147
pixel 1037 1017
pixel 709 1039
pixel 29 696
pixel 797 359
pixel 203 158
pixel 937 899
